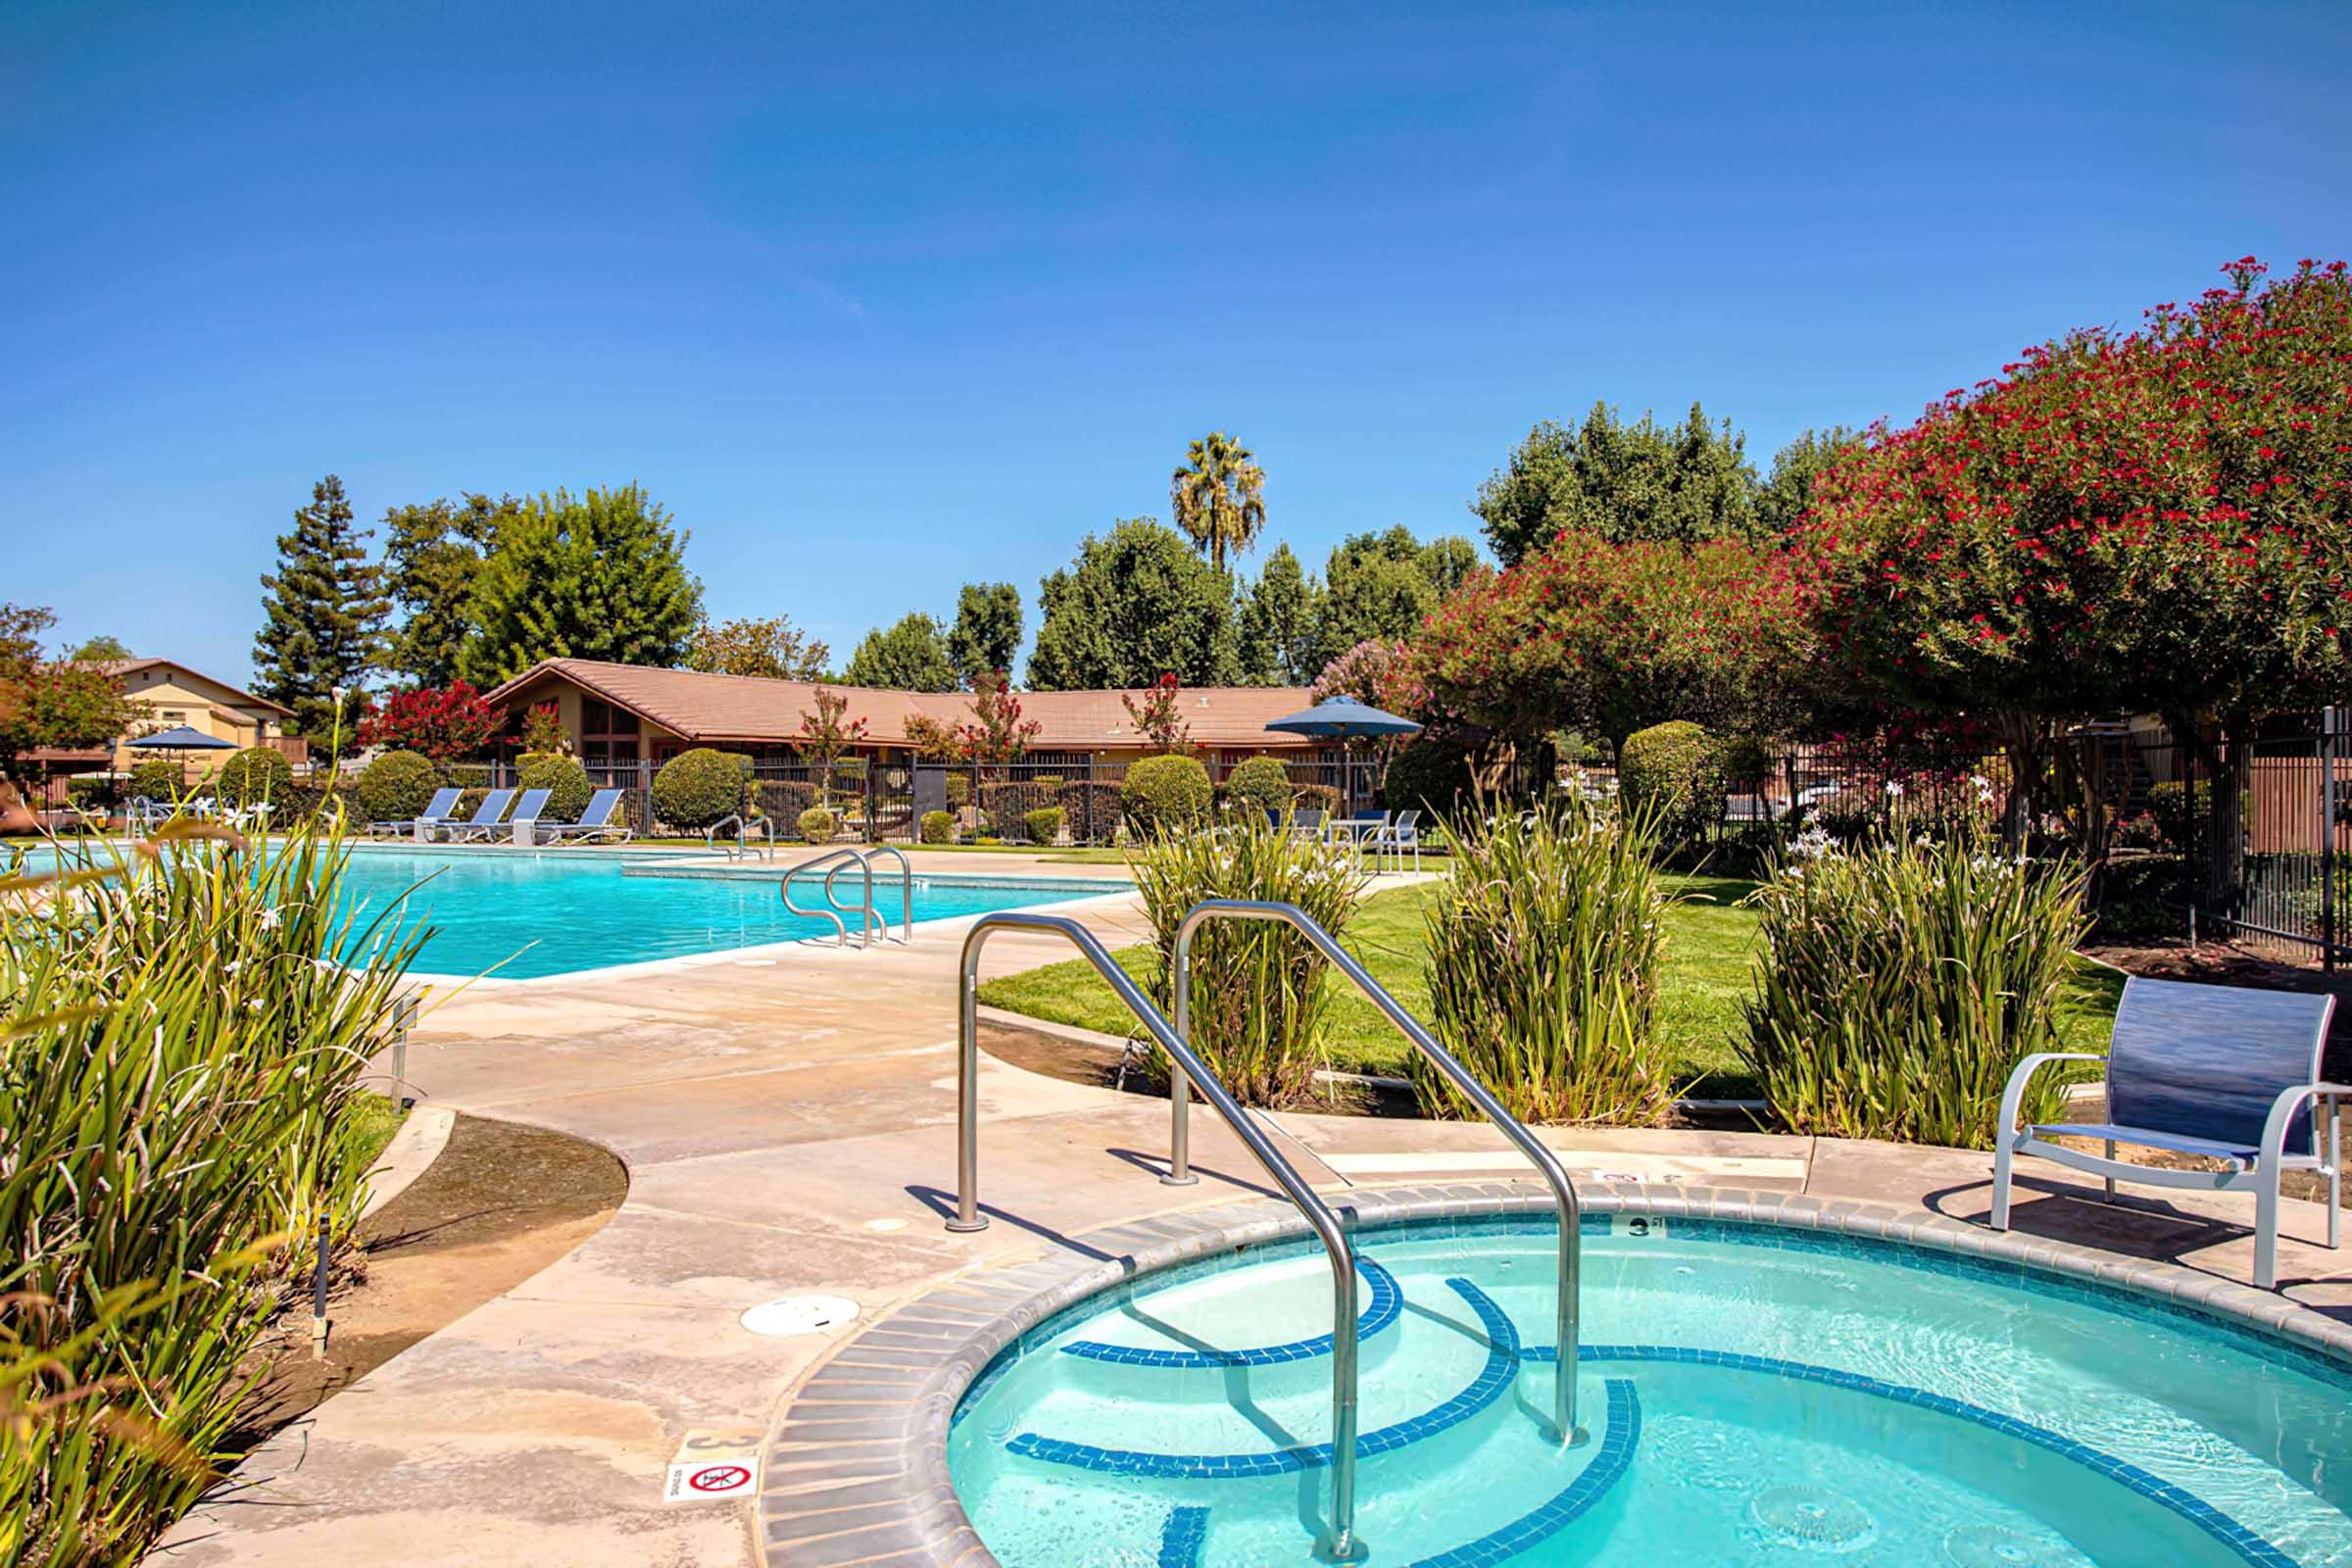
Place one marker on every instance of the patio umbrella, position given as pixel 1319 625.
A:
pixel 1346 720
pixel 180 738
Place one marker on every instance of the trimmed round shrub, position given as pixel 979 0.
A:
pixel 959 791
pixel 1671 771
pixel 154 779
pixel 817 825
pixel 1166 794
pixel 699 788
pixel 1044 826
pixel 1429 774
pixel 1092 812
pixel 939 827
pixel 1742 760
pixel 397 786
pixel 253 775
pixel 1261 786
pixel 564 780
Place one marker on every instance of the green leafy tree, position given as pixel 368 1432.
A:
pixel 432 553
pixel 1136 603
pixel 49 702
pixel 323 614
pixel 1219 497
pixel 599 575
pixel 1384 586
pixel 1278 623
pixel 987 633
pixel 1788 494
pixel 773 647
pixel 100 649
pixel 910 657
pixel 1681 484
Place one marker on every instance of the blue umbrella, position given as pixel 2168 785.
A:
pixel 180 738
pixel 1345 719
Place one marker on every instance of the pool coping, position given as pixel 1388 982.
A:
pixel 856 1469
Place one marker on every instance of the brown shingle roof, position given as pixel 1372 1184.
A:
pixel 754 708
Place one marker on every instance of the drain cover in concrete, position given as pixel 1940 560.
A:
pixel 800 1314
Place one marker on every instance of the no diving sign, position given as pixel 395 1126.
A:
pixel 714 1466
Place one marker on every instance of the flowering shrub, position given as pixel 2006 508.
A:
pixel 1544 951
pixel 1156 720
pixel 1257 992
pixel 1898 986
pixel 1379 672
pixel 1608 638
pixel 445 723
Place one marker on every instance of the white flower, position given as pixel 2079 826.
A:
pixel 1894 791
pixel 270 919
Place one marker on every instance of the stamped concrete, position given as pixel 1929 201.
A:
pixel 788 1126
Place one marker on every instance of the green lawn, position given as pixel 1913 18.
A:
pixel 375 1119
pixel 1709 943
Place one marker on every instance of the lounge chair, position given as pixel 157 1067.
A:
pixel 524 826
pixel 437 812
pixel 1399 838
pixel 2222 1071
pixel 482 824
pixel 1307 822
pixel 596 821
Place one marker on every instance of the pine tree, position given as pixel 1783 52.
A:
pixel 601 575
pixel 323 614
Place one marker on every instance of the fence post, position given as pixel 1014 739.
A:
pixel 2327 840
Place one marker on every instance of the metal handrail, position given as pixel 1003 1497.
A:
pixel 1564 1191
pixel 784 888
pixel 741 850
pixel 871 917
pixel 1340 1543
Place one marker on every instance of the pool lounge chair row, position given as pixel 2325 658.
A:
pixel 439 822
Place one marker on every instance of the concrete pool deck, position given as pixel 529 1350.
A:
pixel 788 1126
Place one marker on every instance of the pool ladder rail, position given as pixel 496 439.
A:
pixel 869 920
pixel 741 847
pixel 1192 1076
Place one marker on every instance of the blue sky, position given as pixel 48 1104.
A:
pixel 879 300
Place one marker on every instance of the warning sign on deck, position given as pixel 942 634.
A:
pixel 714 1466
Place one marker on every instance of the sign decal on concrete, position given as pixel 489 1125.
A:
pixel 713 1465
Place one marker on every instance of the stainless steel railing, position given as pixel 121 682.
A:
pixel 830 912
pixel 741 849
pixel 1340 1536
pixel 869 920
pixel 1547 1164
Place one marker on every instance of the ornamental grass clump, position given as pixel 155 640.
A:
pixel 177 1069
pixel 1544 954
pixel 1897 985
pixel 1259 996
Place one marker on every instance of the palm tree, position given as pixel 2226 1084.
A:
pixel 1219 496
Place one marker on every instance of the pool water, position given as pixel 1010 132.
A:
pixel 1752 1397
pixel 524 915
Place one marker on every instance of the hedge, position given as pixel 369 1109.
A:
pixel 1260 786
pixel 700 787
pixel 1092 812
pixel 566 780
pixel 254 774
pixel 1007 803
pixel 1430 775
pixel 1166 794
pixel 1324 798
pixel 397 786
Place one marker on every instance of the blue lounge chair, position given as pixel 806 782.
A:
pixel 2220 1071
pixel 595 822
pixel 483 822
pixel 438 810
pixel 524 826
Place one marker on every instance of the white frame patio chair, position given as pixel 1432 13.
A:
pixel 2223 1071
pixel 1399 838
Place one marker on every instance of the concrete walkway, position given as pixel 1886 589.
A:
pixel 788 1127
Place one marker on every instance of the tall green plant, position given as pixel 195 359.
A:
pixel 1257 988
pixel 175 1072
pixel 1896 986
pixel 1544 954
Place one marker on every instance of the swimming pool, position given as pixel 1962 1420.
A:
pixel 531 914
pixel 1754 1396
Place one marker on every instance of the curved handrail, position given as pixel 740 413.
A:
pixel 866 918
pixel 710 834
pixel 1546 1164
pixel 906 892
pixel 784 887
pixel 1326 1224
pixel 741 850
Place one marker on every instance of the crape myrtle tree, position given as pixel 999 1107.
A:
pixel 1137 602
pixel 599 575
pixel 1611 638
pixel 447 723
pixel 1159 719
pixel 322 614
pixel 2158 520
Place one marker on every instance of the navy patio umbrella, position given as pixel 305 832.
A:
pixel 1345 719
pixel 180 738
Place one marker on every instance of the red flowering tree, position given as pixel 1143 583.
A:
pixel 828 734
pixel 997 733
pixel 1610 638
pixel 1156 720
pixel 446 723
pixel 1381 673
pixel 2160 521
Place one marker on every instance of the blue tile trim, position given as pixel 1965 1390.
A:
pixel 1181 1537
pixel 1502 1362
pixel 1607 1467
pixel 2215 1523
pixel 1387 1306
